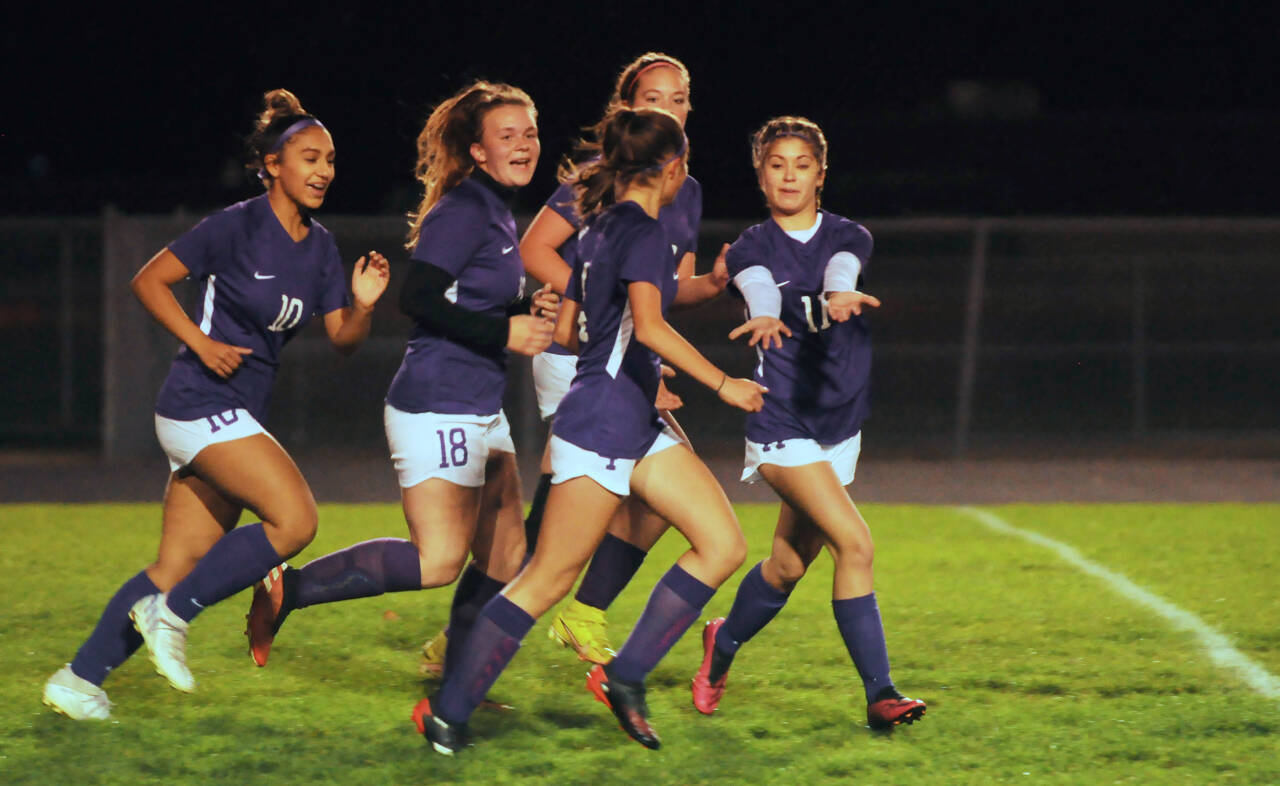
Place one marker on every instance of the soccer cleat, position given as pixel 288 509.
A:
pixel 892 708
pixel 74 697
pixel 628 705
pixel 265 614
pixel 165 634
pixel 706 695
pixel 582 628
pixel 433 655
pixel 445 737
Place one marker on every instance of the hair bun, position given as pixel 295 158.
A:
pixel 278 103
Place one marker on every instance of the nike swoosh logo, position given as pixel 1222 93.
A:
pixel 507 250
pixel 784 283
pixel 261 277
pixel 673 248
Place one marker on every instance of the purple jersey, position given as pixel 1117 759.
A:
pixel 680 219
pixel 609 407
pixel 470 234
pixel 818 380
pixel 260 288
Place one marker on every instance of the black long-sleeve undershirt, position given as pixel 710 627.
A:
pixel 422 298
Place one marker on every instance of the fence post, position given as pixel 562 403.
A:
pixel 972 323
pixel 66 330
pixel 1138 348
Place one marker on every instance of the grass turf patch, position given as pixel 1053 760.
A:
pixel 1034 671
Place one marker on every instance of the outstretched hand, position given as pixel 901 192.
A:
pixel 369 279
pixel 842 305
pixel 762 330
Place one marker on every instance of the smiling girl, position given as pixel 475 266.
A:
pixel 266 266
pixel 449 438
pixel 798 273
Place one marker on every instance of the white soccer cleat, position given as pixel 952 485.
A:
pixel 165 634
pixel 78 699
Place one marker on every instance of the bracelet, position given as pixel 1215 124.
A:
pixel 723 380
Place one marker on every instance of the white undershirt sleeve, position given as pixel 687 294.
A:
pixel 758 288
pixel 842 273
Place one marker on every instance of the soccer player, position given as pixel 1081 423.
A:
pixel 798 272
pixel 608 440
pixel 549 248
pixel 449 438
pixel 266 267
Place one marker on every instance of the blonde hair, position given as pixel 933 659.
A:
pixel 624 89
pixel 444 145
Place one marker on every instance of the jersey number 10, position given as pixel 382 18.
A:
pixel 289 316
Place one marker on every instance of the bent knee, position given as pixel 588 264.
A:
pixel 439 567
pixel 853 554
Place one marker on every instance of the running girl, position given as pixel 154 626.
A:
pixel 449 438
pixel 608 440
pixel 266 267
pixel 798 272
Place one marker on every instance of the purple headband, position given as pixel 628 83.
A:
pixel 304 123
pixel 684 146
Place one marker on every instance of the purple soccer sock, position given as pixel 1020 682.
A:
pixel 755 605
pixel 612 568
pixel 236 562
pixel 475 589
pixel 863 633
pixel 494 640
pixel 114 638
pixel 673 606
pixel 360 571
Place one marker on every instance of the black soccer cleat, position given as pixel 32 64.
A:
pixel 891 709
pixel 626 699
pixel 445 737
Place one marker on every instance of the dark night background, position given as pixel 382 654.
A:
pixel 955 108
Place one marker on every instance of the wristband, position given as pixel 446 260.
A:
pixel 723 380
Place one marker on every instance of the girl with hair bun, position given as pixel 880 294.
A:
pixel 549 247
pixel 798 272
pixel 266 267
pixel 608 440
pixel 449 438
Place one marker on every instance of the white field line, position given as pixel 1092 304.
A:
pixel 1217 645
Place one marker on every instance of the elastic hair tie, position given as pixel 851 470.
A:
pixel 684 146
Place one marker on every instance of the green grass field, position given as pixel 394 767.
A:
pixel 1035 672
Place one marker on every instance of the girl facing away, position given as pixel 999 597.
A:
pixel 798 272
pixel 266 267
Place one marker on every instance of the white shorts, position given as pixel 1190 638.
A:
pixel 182 440
pixel 552 375
pixel 568 461
pixel 428 445
pixel 842 456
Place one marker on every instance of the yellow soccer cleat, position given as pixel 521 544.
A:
pixel 433 655
pixel 583 628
